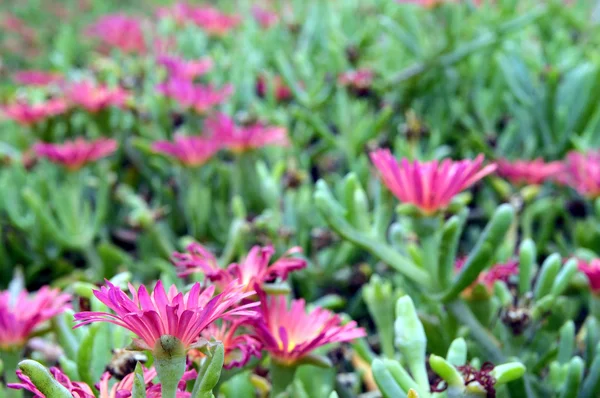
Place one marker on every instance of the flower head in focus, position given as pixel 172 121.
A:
pixel 265 17
pixel 21 314
pixel 430 186
pixel 213 21
pixel 591 270
pixel 162 313
pixel 252 272
pixel 119 31
pixel 244 138
pixel 290 334
pixel 77 153
pixel 77 389
pixel 29 114
pixel 191 151
pixel 36 78
pixel 282 92
pixel 201 98
pixel 582 172
pixel 94 97
pixel 181 68
pixel 529 172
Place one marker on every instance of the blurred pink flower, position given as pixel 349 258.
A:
pixel 252 272
pixel 498 272
pixel 429 186
pixel 265 17
pixel 77 389
pixel 36 77
pixel 119 31
pixel 189 95
pixel 213 21
pixel 93 97
pixel 243 138
pixel 532 172
pixel 291 334
pixel 360 79
pixel 28 114
pixel 167 313
pixel 179 12
pixel 582 173
pixel 282 92
pixel 77 153
pixel 191 151
pixel 592 272
pixel 20 315
pixel 181 68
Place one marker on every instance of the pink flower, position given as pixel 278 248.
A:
pixel 20 315
pixel 76 154
pixel 189 95
pixel 532 172
pixel 94 97
pixel 124 387
pixel 360 79
pixel 428 185
pixel 240 139
pixel 28 114
pixel 213 21
pixel 77 389
pixel 592 272
pixel 291 334
pixel 282 92
pixel 265 18
pixel 239 347
pixel 582 173
pixel 36 78
pixel 119 31
pixel 167 313
pixel 191 151
pixel 179 12
pixel 180 68
pixel 498 272
pixel 252 272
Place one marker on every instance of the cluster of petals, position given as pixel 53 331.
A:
pixel 119 31
pixel 281 91
pixel 95 97
pixel 181 68
pixel 77 153
pixel 37 78
pixel 581 172
pixel 191 151
pixel 265 17
pixel 199 97
pixel 179 12
pixel 360 79
pixel 21 314
pixel 29 114
pixel 528 172
pixel 430 186
pixel 498 272
pixel 289 334
pixel 591 270
pixel 252 271
pixel 77 389
pixel 151 316
pixel 223 129
pixel 213 21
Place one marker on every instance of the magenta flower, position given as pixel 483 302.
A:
pixel 94 97
pixel 291 334
pixel 167 313
pixel 498 272
pixel 240 139
pixel 28 114
pixel 198 97
pixel 213 21
pixel 528 172
pixel 430 186
pixel 265 18
pixel 582 173
pixel 36 78
pixel 252 272
pixel 20 315
pixel 180 68
pixel 77 389
pixel 191 151
pixel 592 271
pixel 360 79
pixel 282 92
pixel 76 154
pixel 119 31
pixel 179 12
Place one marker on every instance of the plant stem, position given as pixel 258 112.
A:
pixel 282 377
pixel 10 360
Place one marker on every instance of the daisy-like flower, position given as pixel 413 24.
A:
pixel 528 172
pixel 360 79
pixel 430 186
pixel 265 18
pixel 252 272
pixel 77 389
pixel 244 138
pixel 20 315
pixel 282 92
pixel 119 31
pixel 191 151
pixel 94 98
pixel 592 271
pixel 498 272
pixel 290 334
pixel 582 173
pixel 77 153
pixel 178 67
pixel 213 21
pixel 29 114
pixel 238 344
pixel 198 97
pixel 38 78
pixel 152 316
